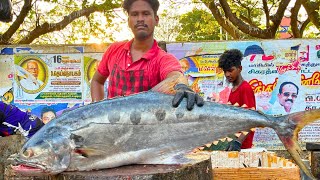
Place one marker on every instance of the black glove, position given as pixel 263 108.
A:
pixel 234 145
pixel 192 97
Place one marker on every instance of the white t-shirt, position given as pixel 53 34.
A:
pixel 278 109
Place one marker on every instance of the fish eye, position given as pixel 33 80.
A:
pixel 28 153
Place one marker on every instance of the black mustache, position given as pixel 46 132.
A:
pixel 137 25
pixel 289 100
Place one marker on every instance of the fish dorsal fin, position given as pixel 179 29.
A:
pixel 167 86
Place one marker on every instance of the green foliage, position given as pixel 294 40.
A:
pixel 311 32
pixel 101 23
pixel 198 25
pixel 168 27
pixel 244 19
pixel 59 14
pixel 249 11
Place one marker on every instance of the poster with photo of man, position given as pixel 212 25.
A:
pixel 48 78
pixel 287 97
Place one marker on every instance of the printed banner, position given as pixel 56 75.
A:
pixel 91 62
pixel 6 77
pixel 43 78
pixel 284 75
pixel 204 76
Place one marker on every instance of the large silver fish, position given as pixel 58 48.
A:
pixel 144 129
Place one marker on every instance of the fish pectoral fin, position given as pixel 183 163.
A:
pixel 77 139
pixel 87 152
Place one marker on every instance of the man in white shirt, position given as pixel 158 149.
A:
pixel 30 83
pixel 288 93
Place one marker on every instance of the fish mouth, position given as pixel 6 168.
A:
pixel 28 169
pixel 20 166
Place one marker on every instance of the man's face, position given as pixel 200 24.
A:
pixel 47 116
pixel 233 73
pixel 32 67
pixel 142 20
pixel 288 96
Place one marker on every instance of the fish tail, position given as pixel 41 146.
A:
pixel 288 128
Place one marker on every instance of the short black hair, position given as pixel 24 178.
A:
pixel 285 83
pixel 47 109
pixel 153 3
pixel 230 58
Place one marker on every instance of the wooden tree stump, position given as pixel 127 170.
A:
pixel 315 158
pixel 9 145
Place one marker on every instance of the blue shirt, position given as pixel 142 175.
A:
pixel 12 119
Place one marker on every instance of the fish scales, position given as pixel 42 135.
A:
pixel 144 129
pixel 177 130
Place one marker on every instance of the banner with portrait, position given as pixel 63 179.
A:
pixel 44 78
pixel 284 75
pixel 204 77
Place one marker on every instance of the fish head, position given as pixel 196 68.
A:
pixel 45 153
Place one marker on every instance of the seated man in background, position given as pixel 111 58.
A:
pixel 12 119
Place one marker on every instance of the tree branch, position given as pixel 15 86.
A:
pixel 294 19
pixel 304 26
pixel 267 33
pixel 50 27
pixel 247 29
pixel 248 20
pixel 280 11
pixel 247 8
pixel 267 13
pixel 312 8
pixel 222 22
pixel 4 39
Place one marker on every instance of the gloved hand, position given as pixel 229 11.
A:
pixel 192 97
pixel 234 145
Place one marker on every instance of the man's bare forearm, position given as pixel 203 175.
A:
pixel 179 76
pixel 97 91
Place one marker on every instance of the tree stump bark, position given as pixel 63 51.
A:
pixel 201 169
pixel 9 145
pixel 315 158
